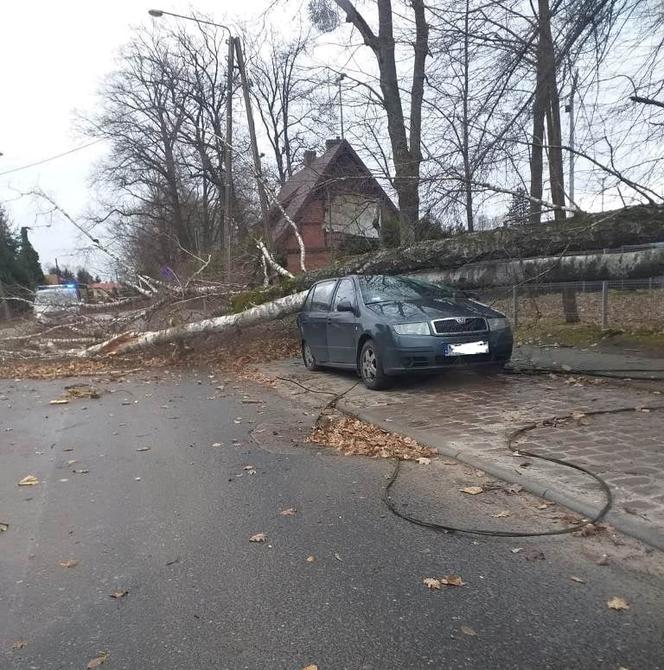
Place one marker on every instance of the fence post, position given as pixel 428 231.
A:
pixel 605 305
pixel 515 305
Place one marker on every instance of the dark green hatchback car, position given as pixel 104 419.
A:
pixel 384 325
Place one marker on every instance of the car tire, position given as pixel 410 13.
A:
pixel 308 358
pixel 370 367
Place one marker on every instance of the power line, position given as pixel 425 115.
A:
pixel 50 158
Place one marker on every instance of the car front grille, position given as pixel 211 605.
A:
pixel 455 325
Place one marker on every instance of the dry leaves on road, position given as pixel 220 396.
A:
pixel 578 580
pixel 29 480
pixel 617 603
pixel 472 490
pixel 258 537
pixel 356 438
pixel 118 594
pixel 291 511
pixel 311 667
pixel 435 583
pixel 467 630
pixel 82 391
pixel 69 563
pixel 423 460
pixel 311 559
pixel 501 515
pixel 59 401
pixel 99 659
pixel 4 527
pixel 145 448
pixel 19 644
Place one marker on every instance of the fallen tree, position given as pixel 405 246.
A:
pixel 584 232
pixel 630 226
pixel 128 342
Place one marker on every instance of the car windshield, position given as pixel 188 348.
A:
pixel 382 288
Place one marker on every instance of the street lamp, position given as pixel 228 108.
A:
pixel 228 161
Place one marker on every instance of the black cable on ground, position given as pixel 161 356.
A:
pixel 510 445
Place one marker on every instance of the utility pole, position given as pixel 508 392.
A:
pixel 228 164
pixel 572 122
pixel 254 145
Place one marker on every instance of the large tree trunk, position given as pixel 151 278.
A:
pixel 269 311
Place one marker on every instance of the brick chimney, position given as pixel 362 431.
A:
pixel 309 157
pixel 332 143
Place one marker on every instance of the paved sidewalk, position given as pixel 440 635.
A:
pixel 469 415
pixel 572 359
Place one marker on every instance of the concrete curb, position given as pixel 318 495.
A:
pixel 622 522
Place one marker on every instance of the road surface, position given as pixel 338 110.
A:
pixel 162 501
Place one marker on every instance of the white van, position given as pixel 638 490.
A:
pixel 54 301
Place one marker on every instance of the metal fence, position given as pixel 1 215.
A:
pixel 635 305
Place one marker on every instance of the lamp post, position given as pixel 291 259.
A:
pixel 228 160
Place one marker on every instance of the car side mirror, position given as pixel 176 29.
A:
pixel 345 306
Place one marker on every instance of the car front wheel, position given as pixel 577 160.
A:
pixel 371 367
pixel 308 358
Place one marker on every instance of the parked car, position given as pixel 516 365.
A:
pixel 383 325
pixel 55 301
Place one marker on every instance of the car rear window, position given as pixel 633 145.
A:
pixel 322 296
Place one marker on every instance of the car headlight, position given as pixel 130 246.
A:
pixel 421 328
pixel 498 324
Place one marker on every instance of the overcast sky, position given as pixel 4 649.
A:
pixel 53 56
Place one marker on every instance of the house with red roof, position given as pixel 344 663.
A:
pixel 337 204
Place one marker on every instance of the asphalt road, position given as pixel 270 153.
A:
pixel 171 525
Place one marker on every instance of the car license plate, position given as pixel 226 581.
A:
pixel 467 348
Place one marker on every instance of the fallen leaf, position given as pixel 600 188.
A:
pixel 291 511
pixel 423 460
pixel 98 660
pixel 578 580
pixel 81 472
pixel 259 537
pixel 472 490
pixel 311 559
pixel 69 563
pixel 337 556
pixel 617 603
pixel 217 444
pixel 119 594
pixel 544 506
pixel 452 580
pixel 513 488
pixel 4 527
pixel 590 530
pixel 143 449
pixel 501 515
pixel 431 583
pixel 251 472
pixel 516 550
pixel 29 480
pixel 249 467
pixel 71 462
pixel 19 644
pixel 467 630
pixel 533 554
pixel 59 401
pixel 603 560
pixel 311 667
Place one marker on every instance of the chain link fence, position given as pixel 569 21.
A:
pixel 631 305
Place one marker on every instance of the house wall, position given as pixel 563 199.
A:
pixel 311 230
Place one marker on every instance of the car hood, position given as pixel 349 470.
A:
pixel 404 311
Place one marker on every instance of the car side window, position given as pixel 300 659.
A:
pixel 322 296
pixel 345 291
